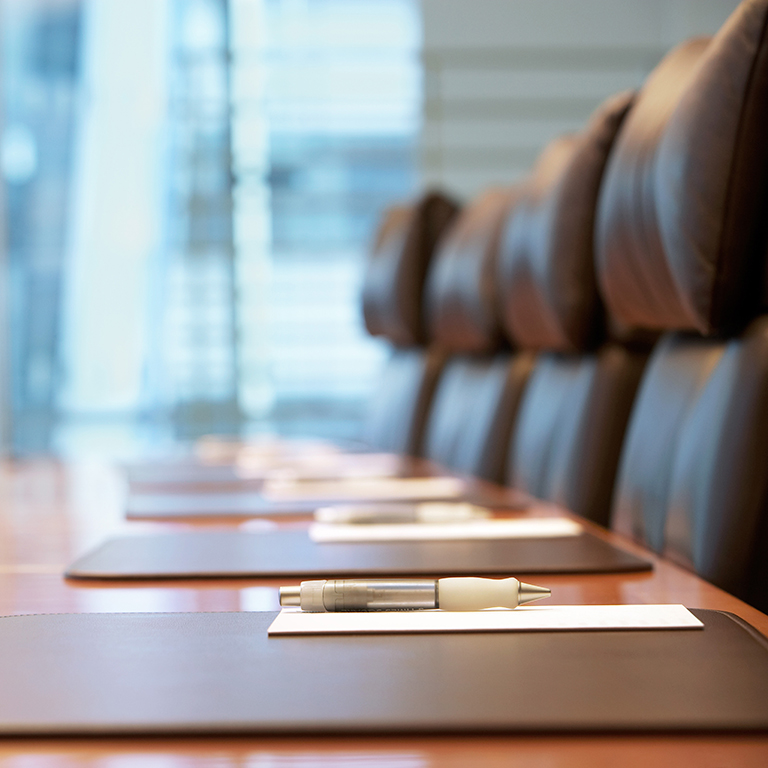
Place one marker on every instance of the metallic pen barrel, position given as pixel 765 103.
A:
pixel 362 595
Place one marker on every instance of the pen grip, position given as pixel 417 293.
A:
pixel 474 593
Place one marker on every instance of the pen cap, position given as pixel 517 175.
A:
pixel 474 594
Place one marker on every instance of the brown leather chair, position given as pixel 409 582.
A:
pixel 393 308
pixel 571 422
pixel 682 238
pixel 476 400
pixel 397 412
pixel 693 481
pixel 393 285
pixel 473 412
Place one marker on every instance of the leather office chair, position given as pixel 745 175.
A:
pixel 571 422
pixel 473 410
pixel 393 307
pixel 682 239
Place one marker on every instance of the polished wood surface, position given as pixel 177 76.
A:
pixel 50 513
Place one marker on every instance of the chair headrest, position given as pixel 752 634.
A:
pixel 681 232
pixel 461 296
pixel 546 260
pixel 393 285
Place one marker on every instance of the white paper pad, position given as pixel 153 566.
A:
pixel 392 512
pixel 293 621
pixel 217 449
pixel 528 528
pixel 235 503
pixel 388 488
pixel 333 466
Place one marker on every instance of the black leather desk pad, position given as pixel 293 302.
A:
pixel 220 673
pixel 284 553
pixel 240 503
pixel 164 505
pixel 180 473
pixel 177 506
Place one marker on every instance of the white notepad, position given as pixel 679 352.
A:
pixel 391 512
pixel 528 528
pixel 293 621
pixel 333 466
pixel 370 489
pixel 235 503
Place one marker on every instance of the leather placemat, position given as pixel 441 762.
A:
pixel 159 506
pixel 246 504
pixel 194 554
pixel 93 674
pixel 226 502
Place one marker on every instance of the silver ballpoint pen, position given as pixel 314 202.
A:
pixel 450 594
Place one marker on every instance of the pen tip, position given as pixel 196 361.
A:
pixel 527 593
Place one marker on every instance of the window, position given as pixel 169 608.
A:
pixel 193 185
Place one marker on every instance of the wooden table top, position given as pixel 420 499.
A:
pixel 51 513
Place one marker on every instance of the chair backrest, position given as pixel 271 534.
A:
pixel 681 237
pixel 476 399
pixel 397 413
pixel 474 410
pixel 393 308
pixel 393 285
pixel 681 227
pixel 463 313
pixel 575 407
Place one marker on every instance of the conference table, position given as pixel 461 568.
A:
pixel 53 511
